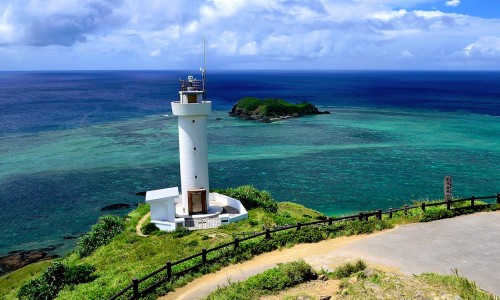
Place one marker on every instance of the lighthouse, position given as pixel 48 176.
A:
pixel 192 111
pixel 194 207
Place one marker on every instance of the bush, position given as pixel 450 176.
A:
pixel 100 234
pixel 437 214
pixel 346 270
pixel 149 228
pixel 53 279
pixel 180 232
pixel 251 197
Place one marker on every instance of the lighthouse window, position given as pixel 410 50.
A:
pixel 195 177
pixel 193 121
pixel 194 148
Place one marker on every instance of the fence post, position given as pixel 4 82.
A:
pixel 498 198
pixel 204 255
pixel 448 204
pixel 299 225
pixel 406 209
pixel 268 233
pixel 330 221
pixel 236 243
pixel 390 213
pixel 135 288
pixel 423 206
pixel 472 201
pixel 379 214
pixel 360 216
pixel 169 269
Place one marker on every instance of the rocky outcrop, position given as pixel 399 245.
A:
pixel 18 259
pixel 115 206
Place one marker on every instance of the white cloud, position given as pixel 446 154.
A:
pixel 452 3
pixel 155 53
pixel 388 15
pixel 406 54
pixel 322 33
pixel 486 46
pixel 249 49
pixel 7 32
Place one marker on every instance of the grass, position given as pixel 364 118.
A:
pixel 350 281
pixel 271 281
pixel 461 286
pixel 129 256
pixel 372 283
pixel 10 283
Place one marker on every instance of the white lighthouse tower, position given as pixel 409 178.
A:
pixel 192 111
pixel 194 207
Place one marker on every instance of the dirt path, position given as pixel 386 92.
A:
pixel 139 225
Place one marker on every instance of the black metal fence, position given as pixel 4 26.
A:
pixel 362 216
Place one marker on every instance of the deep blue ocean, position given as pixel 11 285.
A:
pixel 73 142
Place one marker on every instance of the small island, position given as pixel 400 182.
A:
pixel 271 109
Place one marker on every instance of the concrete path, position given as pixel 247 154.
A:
pixel 470 244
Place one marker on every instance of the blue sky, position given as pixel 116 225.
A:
pixel 250 34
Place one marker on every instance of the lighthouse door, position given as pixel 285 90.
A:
pixel 197 201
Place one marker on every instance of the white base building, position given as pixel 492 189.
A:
pixel 167 211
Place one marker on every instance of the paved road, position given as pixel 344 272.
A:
pixel 470 244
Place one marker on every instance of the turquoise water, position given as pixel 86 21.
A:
pixel 353 159
pixel 55 178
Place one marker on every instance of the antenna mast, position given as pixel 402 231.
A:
pixel 204 69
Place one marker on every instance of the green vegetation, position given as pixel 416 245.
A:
pixel 460 208
pixel 371 283
pixel 251 197
pixel 10 283
pixel 54 278
pixel 128 256
pixel 268 282
pixel 264 109
pixel 347 269
pixel 102 233
pixel 465 288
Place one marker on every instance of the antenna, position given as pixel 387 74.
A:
pixel 204 69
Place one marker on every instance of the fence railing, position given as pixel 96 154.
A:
pixel 361 216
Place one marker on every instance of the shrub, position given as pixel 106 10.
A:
pixel 149 228
pixel 347 269
pixel 251 197
pixel 53 279
pixel 180 232
pixel 100 234
pixel 437 214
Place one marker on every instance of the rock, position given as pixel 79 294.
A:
pixel 325 297
pixel 353 280
pixel 18 259
pixel 115 206
pixel 323 277
pixel 218 119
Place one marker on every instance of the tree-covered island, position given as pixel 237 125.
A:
pixel 271 109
